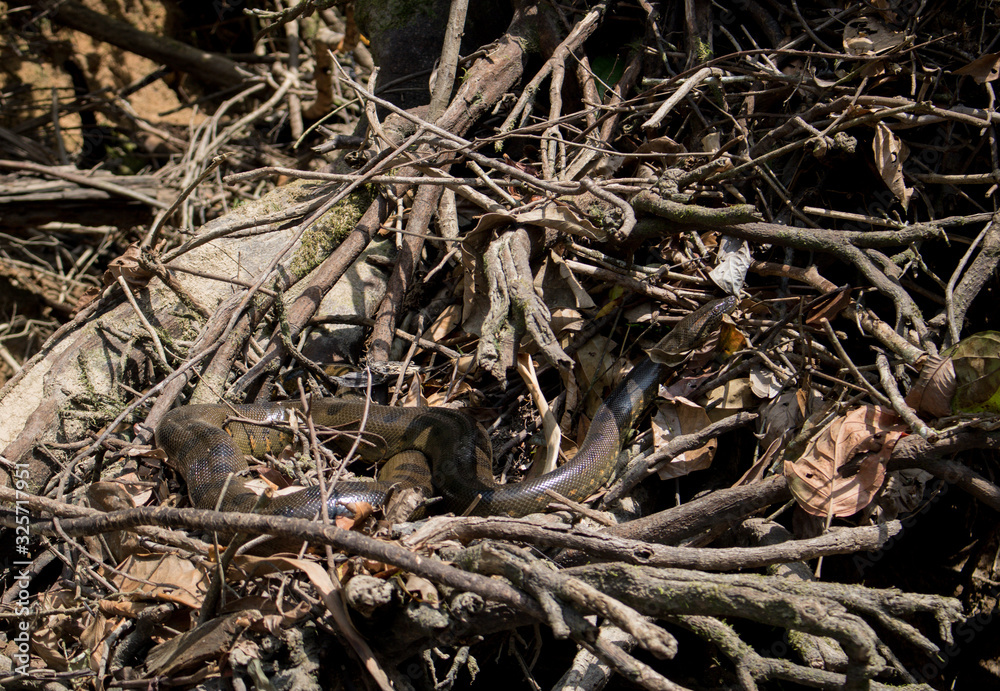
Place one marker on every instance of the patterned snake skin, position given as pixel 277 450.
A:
pixel 208 446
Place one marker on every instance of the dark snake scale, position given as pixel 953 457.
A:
pixel 208 445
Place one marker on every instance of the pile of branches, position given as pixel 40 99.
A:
pixel 557 199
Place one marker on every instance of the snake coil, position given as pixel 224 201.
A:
pixel 208 447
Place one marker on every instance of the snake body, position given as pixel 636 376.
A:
pixel 208 445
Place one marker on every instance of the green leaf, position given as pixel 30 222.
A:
pixel 977 371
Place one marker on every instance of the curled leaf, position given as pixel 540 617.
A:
pixel 890 152
pixel 935 387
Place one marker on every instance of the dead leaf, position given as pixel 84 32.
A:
pixel 660 145
pixel 890 152
pixel 559 285
pixel 545 460
pixel 734 262
pixel 209 641
pixel 414 397
pixel 735 396
pixel 935 387
pixel 554 215
pixel 113 496
pixel 447 321
pixel 421 589
pixel 731 339
pixel 123 608
pixel 567 320
pixel 781 417
pixel 904 493
pixel 128 267
pixel 93 635
pixel 162 577
pixel 50 633
pixel 273 619
pixel 711 142
pixel 869 36
pixel 982 69
pixel 864 437
pixel 361 511
pixel 460 389
pixel 829 307
pixel 613 304
pixel 764 382
pixel 673 419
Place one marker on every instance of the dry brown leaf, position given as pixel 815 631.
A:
pixel 735 396
pixel 731 339
pixel 863 437
pixel 123 608
pixel 756 472
pixel 361 511
pixel 50 633
pixel 115 496
pixel 904 493
pixel 447 321
pixel 273 619
pixel 982 69
pixel 124 492
pixel 445 397
pixel 868 36
pixel 92 636
pixel 660 145
pixel 559 286
pixel 110 496
pixel 780 419
pixel 829 307
pixel 567 320
pixel 209 641
pixel 127 266
pixel 673 419
pixel 934 388
pixel 545 459
pixel 162 577
pixel 890 152
pixel 553 215
pixel 414 397
pixel 420 589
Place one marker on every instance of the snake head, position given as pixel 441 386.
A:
pixel 692 331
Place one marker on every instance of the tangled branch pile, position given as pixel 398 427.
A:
pixel 506 234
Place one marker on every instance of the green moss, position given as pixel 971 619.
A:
pixel 329 231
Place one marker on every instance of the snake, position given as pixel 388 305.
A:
pixel 432 448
